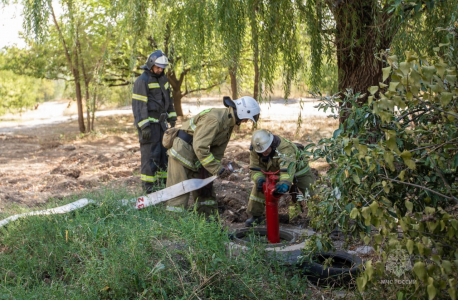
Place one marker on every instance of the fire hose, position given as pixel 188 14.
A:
pixel 140 202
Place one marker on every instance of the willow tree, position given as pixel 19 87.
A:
pixel 359 30
pixel 84 31
pixel 184 31
pixel 192 45
pixel 273 41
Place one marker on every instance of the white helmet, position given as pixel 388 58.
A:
pixel 247 108
pixel 156 58
pixel 162 62
pixel 261 140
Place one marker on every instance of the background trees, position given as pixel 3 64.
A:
pixel 247 42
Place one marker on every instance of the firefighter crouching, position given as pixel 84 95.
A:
pixel 271 153
pixel 152 105
pixel 199 147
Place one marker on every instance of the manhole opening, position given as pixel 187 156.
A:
pixel 259 235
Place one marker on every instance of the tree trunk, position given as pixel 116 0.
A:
pixel 93 105
pixel 256 77
pixel 86 80
pixel 75 71
pixel 233 76
pixel 255 45
pixel 357 43
pixel 176 83
pixel 356 62
pixel 177 101
pixel 79 96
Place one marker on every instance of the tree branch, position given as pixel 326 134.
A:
pixel 203 89
pixel 421 187
pixel 437 108
pixel 121 84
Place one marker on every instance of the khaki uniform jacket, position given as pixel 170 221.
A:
pixel 286 155
pixel 211 130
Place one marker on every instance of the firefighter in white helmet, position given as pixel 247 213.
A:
pixel 199 147
pixel 271 152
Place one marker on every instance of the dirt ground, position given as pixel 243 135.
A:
pixel 44 161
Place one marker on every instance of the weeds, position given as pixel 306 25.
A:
pixel 110 251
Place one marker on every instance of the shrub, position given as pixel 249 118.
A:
pixel 393 169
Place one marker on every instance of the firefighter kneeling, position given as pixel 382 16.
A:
pixel 271 153
pixel 199 147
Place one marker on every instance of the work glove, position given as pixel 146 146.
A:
pixel 281 188
pixel 172 124
pixel 259 184
pixel 223 173
pixel 146 133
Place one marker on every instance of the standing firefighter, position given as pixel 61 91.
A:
pixel 152 105
pixel 199 147
pixel 271 153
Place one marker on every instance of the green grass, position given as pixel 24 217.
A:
pixel 109 251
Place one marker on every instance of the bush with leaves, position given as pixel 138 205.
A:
pixel 392 178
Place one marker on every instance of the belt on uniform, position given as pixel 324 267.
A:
pixel 185 137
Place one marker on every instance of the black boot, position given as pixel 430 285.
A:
pixel 254 221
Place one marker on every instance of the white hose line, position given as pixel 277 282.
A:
pixel 57 210
pixel 138 203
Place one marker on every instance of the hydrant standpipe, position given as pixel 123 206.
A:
pixel 273 226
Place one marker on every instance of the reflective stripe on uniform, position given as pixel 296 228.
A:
pixel 257 199
pixel 198 164
pixel 172 114
pixel 285 177
pixel 174 208
pixel 303 171
pixel 162 174
pixel 153 85
pixel 139 97
pixel 181 158
pixel 208 202
pixel 148 178
pixel 166 85
pixel 153 120
pixel 191 124
pixel 207 160
pixel 204 111
pixel 141 123
pixel 256 175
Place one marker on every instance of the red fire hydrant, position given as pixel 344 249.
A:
pixel 273 226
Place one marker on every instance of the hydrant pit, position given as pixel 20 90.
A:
pixel 247 236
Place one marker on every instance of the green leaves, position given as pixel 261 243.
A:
pixel 354 213
pixel 391 159
pixel 18 93
pixel 409 205
pixel 373 89
pixel 406 156
pixel 361 283
pixel 356 178
pixel 405 68
pixel 393 86
pixel 420 270
pixel 431 289
pixel 428 72
pixel 445 98
pixel 409 246
pixel 386 72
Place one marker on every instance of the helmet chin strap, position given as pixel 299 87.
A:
pixel 237 120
